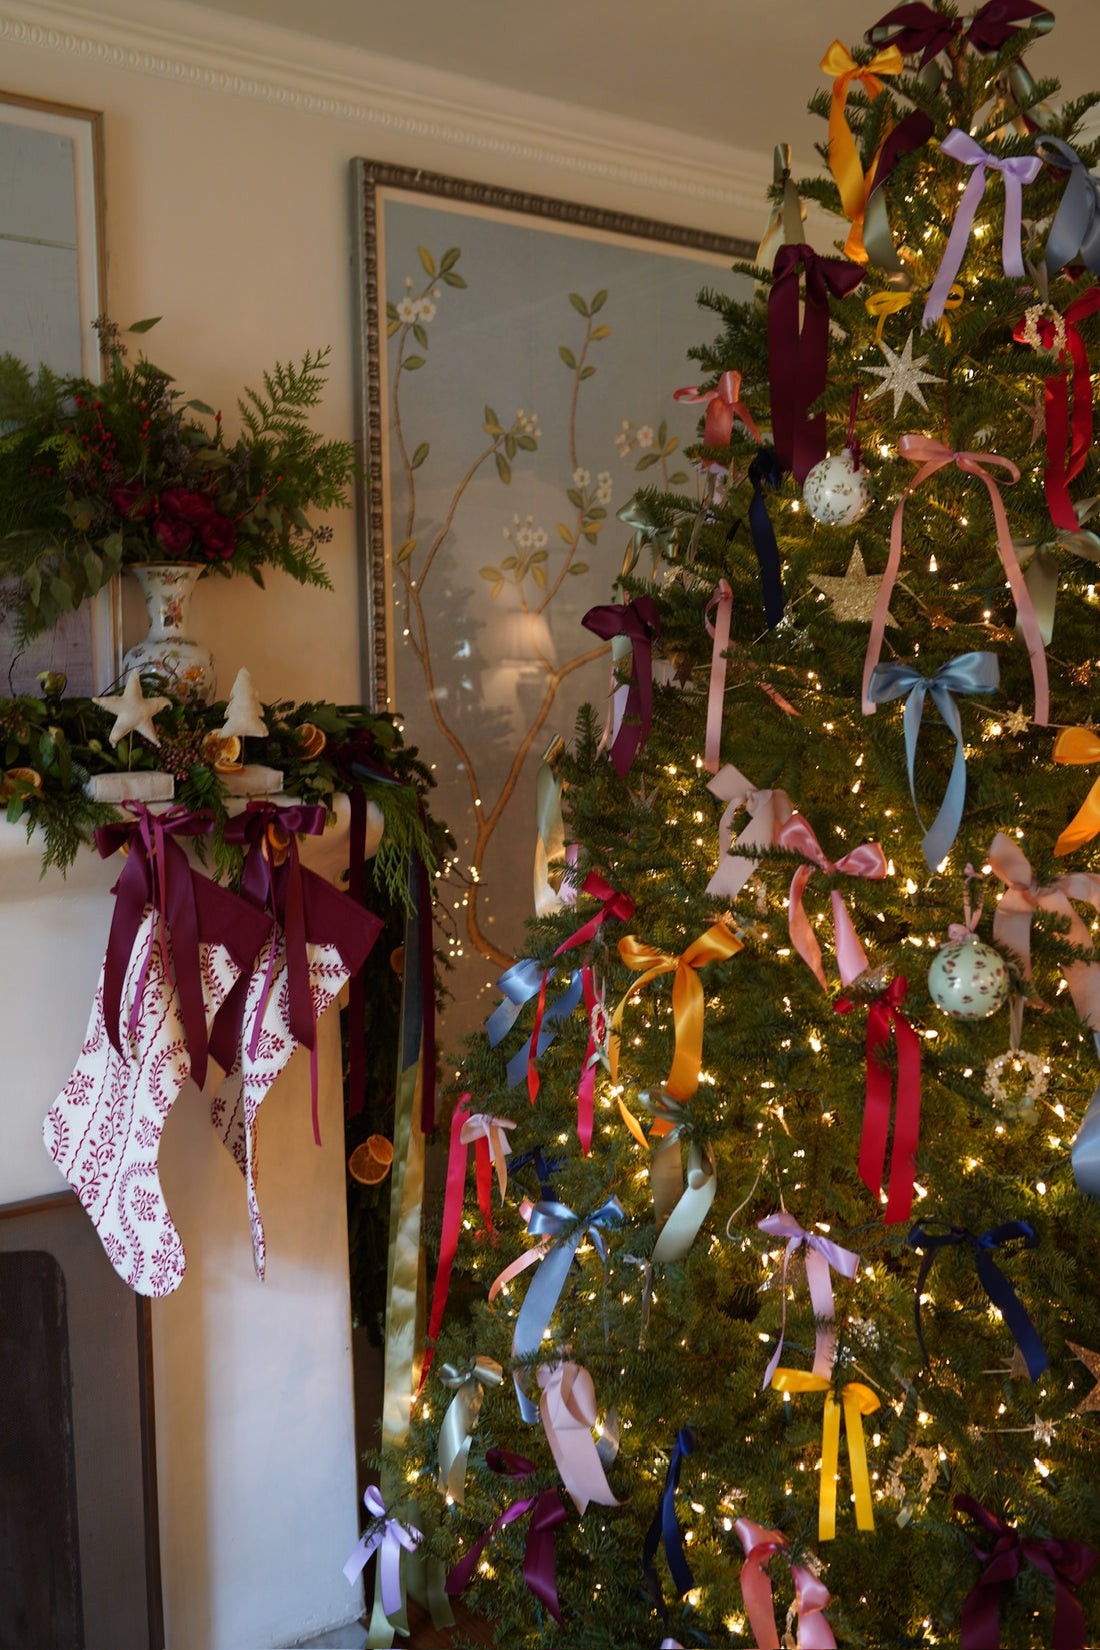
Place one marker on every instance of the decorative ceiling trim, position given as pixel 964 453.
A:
pixel 255 61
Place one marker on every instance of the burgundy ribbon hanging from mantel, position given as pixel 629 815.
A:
pixel 1067 1563
pixel 640 622
pixel 798 358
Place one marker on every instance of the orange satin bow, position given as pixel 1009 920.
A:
pixel 1079 745
pixel 844 161
pixel 715 945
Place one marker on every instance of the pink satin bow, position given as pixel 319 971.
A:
pixel 568 1407
pixel 1023 896
pixel 821 1255
pixel 868 860
pixel 767 811
pixel 811 1595
pixel 932 455
pixel 724 404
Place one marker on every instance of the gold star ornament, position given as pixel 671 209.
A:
pixel 132 711
pixel 1091 1361
pixel 1017 721
pixel 854 596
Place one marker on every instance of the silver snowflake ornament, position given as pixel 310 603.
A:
pixel 902 375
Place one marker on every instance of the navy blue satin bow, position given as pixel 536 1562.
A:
pixel 766 471
pixel 666 1526
pixel 969 673
pixel 992 1279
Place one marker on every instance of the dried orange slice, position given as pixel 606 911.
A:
pixel 370 1162
pixel 312 740
pixel 9 785
pixel 278 843
pixel 397 960
pixel 222 751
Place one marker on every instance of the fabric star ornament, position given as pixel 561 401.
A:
pixel 854 596
pixel 132 711
pixel 1091 1361
pixel 902 376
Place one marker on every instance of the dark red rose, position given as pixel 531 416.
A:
pixel 131 500
pixel 174 535
pixel 218 536
pixel 185 505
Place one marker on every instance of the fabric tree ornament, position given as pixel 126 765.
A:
pixel 317 939
pixel 177 945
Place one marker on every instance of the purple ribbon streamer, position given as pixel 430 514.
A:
pixel 1016 170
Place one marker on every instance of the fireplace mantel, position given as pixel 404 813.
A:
pixel 255 1443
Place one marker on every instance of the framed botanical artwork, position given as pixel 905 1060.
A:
pixel 52 287
pixel 519 358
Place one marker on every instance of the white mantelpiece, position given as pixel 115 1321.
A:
pixel 255 1437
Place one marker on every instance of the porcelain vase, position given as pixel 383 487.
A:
pixel 184 668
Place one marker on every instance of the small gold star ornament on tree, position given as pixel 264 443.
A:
pixel 854 596
pixel 1091 1361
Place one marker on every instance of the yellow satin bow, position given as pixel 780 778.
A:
pixel 844 161
pixel 715 945
pixel 882 304
pixel 1079 745
pixel 857 1400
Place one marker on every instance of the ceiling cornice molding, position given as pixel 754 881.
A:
pixel 202 47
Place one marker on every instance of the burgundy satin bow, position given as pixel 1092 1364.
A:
pixel 190 908
pixel 915 27
pixel 640 622
pixel 797 360
pixel 547 1512
pixel 1067 1563
pixel 868 860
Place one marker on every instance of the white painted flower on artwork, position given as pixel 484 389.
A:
pixel 408 311
pixel 426 310
pixel 645 437
pixel 527 423
pixel 605 486
pixel 581 476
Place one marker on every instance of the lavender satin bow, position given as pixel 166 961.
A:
pixel 1016 170
pixel 821 1255
pixel 393 1537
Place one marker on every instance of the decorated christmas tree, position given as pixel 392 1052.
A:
pixel 796 1263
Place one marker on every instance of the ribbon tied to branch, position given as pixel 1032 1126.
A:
pixel 1016 171
pixel 969 673
pixel 1061 333
pixel 868 860
pixel 665 1528
pixel 822 1257
pixel 547 1512
pixel 767 811
pixel 468 1382
pixel 798 355
pixel 844 161
pixel 1023 897
pixel 518 984
pixel 619 906
pixel 679 1210
pixel 882 1015
pixel 811 1596
pixel 568 1409
pixel 856 1401
pixel 639 623
pixel 715 945
pixel 723 404
pixel 1066 1563
pixel 389 1537
pixel 1038 555
pixel 992 1279
pixel 932 456
pixel 1074 236
pixel 766 471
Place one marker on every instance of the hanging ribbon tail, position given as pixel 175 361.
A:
pixel 760 1547
pixel 521 1064
pixel 452 1221
pixel 1074 236
pixel 911 133
pixel 568 1409
pixel 518 984
pixel 1078 746
pixel 798 350
pixel 550 841
pixel 883 1014
pixel 766 471
pixel 665 1528
pixel 812 1598
pixel 1004 1297
pixel 640 623
pixel 544 1291
pixel 468 1384
pixel 682 1225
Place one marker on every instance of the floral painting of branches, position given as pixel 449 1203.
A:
pixel 526 383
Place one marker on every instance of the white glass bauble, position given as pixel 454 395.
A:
pixel 968 980
pixel 835 492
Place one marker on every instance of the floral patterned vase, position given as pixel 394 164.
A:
pixel 185 668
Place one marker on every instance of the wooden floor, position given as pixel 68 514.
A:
pixel 423 1636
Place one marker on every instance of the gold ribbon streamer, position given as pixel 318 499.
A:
pixel 1079 746
pixel 844 161
pixel 882 304
pixel 468 1383
pixel 857 1401
pixel 715 945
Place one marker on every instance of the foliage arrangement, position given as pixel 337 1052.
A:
pixel 677 1349
pixel 97 477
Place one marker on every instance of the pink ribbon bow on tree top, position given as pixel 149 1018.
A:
pixel 767 811
pixel 1017 906
pixel 811 1596
pixel 724 404
pixel 868 860
pixel 932 455
pixel 821 1255
pixel 1016 170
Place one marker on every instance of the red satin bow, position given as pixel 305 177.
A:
pixel 614 905
pixel 724 404
pixel 1067 1563
pixel 866 861
pixel 1061 470
pixel 883 1013
pixel 798 359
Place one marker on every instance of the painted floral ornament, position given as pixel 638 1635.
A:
pixel 836 492
pixel 968 979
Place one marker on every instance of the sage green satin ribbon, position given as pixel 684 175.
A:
pixel 787 214
pixel 637 515
pixel 679 1209
pixel 1042 575
pixel 468 1383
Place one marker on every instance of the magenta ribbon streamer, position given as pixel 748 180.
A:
pixel 868 860
pixel 568 1409
pixel 767 811
pixel 721 603
pixel 1067 1563
pixel 190 908
pixel 640 622
pixel 392 1537
pixel 798 358
pixel 821 1255
pixel 586 1087
pixel 811 1595
pixel 612 905
pixel 547 1512
pixel 310 910
pixel 932 455
pixel 1016 170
